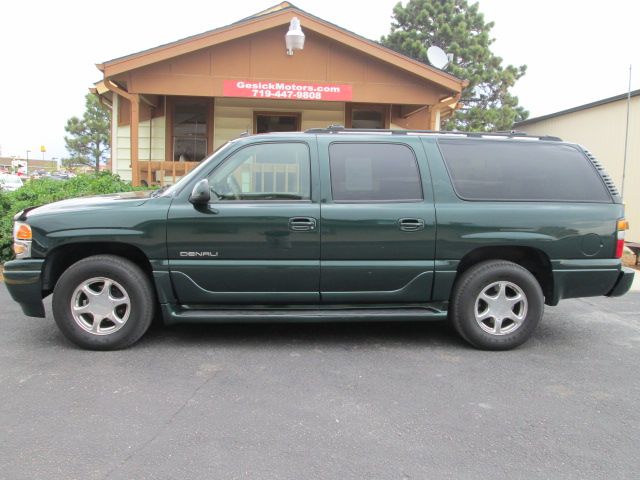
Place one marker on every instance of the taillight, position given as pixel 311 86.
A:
pixel 622 226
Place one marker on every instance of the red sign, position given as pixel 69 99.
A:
pixel 287 90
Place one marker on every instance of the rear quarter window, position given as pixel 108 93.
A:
pixel 521 171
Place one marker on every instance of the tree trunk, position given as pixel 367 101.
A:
pixel 97 155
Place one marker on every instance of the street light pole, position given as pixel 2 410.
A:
pixel 27 167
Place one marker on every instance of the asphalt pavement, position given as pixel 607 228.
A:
pixel 333 401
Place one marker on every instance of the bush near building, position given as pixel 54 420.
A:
pixel 42 191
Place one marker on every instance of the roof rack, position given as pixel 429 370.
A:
pixel 337 129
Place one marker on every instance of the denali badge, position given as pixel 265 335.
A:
pixel 198 254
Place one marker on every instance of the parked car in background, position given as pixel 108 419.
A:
pixel 10 182
pixel 58 176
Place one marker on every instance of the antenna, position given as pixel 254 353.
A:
pixel 437 57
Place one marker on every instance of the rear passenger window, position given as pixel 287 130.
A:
pixel 521 171
pixel 374 172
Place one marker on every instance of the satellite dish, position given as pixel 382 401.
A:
pixel 437 57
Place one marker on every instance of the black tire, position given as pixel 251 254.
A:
pixel 126 284
pixel 488 278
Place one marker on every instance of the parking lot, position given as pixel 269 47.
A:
pixel 332 401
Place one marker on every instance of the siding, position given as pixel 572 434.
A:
pixel 151 145
pixel 232 116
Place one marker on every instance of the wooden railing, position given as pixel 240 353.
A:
pixel 163 173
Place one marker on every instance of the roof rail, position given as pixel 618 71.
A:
pixel 337 129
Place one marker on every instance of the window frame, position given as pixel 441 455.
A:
pixel 264 201
pixel 346 142
pixel 540 200
pixel 169 124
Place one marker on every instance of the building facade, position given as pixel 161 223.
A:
pixel 601 127
pixel 175 104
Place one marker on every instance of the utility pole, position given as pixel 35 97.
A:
pixel 626 136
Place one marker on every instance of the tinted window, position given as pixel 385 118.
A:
pixel 374 172
pixel 266 171
pixel 518 170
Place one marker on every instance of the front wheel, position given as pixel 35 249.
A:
pixel 496 305
pixel 103 302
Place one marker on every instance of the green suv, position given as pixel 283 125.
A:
pixel 334 225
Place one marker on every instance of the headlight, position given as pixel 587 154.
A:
pixel 22 236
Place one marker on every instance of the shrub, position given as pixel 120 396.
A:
pixel 41 191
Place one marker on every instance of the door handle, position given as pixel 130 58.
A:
pixel 302 224
pixel 411 224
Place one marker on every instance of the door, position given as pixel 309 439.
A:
pixel 258 241
pixel 378 221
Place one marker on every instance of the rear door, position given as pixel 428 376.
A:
pixel 258 241
pixel 378 220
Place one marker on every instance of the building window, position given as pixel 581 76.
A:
pixel 367 116
pixel 265 122
pixel 190 130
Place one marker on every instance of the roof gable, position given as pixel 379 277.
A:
pixel 280 15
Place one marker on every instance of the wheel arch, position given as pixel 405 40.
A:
pixel 533 259
pixel 62 257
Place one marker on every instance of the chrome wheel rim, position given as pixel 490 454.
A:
pixel 501 308
pixel 100 306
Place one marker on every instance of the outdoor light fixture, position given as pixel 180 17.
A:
pixel 294 39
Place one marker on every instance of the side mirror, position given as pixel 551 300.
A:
pixel 200 195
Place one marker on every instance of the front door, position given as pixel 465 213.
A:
pixel 258 241
pixel 378 220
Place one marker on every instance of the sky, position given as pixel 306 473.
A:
pixel 577 51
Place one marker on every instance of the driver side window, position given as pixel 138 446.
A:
pixel 265 171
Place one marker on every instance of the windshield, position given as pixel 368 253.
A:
pixel 176 187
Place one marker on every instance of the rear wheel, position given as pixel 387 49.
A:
pixel 103 302
pixel 496 305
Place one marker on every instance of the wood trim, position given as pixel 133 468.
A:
pixel 277 19
pixel 348 114
pixel 168 129
pixel 170 102
pixel 210 126
pixel 297 115
pixel 135 134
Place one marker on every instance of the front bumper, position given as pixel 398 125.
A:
pixel 24 282
pixel 623 284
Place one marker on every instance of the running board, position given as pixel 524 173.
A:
pixel 172 315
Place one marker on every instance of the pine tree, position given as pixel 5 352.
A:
pixel 460 29
pixel 88 139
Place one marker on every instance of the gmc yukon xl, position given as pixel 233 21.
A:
pixel 334 225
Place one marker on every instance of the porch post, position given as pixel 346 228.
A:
pixel 135 134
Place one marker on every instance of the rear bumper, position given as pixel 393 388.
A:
pixel 24 282
pixel 584 278
pixel 623 284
